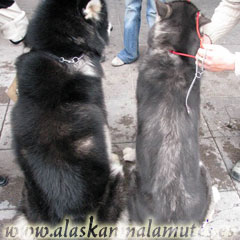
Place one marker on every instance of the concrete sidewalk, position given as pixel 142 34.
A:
pixel 220 119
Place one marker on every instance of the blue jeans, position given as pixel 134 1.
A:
pixel 132 22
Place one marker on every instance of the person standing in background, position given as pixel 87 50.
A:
pixel 132 22
pixel 218 58
pixel 13 21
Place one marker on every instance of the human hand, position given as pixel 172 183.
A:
pixel 216 58
pixel 206 39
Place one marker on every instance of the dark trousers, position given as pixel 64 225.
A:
pixel 6 3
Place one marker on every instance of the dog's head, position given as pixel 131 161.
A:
pixel 95 13
pixel 66 26
pixel 176 26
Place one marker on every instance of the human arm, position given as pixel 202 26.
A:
pixel 217 58
pixel 225 17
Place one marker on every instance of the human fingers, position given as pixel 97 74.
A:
pixel 208 46
pixel 206 39
pixel 201 53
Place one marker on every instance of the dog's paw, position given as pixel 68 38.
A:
pixel 115 158
pixel 129 154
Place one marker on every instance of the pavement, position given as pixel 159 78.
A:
pixel 219 130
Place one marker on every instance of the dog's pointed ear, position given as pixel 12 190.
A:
pixel 164 10
pixel 92 10
pixel 203 20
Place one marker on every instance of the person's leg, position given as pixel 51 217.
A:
pixel 132 22
pixel 151 12
pixel 13 23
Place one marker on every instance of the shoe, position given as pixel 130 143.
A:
pixel 117 62
pixel 235 173
pixel 3 181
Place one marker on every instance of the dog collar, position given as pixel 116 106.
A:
pixel 199 36
pixel 74 60
pixel 197 72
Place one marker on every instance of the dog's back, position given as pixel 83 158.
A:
pixel 59 122
pixel 58 125
pixel 170 184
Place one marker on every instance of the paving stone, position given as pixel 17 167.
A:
pixel 3 110
pixel 224 84
pixel 203 129
pixel 114 16
pixel 6 136
pixel 212 159
pixel 7 214
pixel 216 112
pixel 6 205
pixel 9 53
pixel 230 150
pixel 122 120
pixel 225 222
pixel 8 165
pixel 115 44
pixel 28 6
pixel 12 191
pixel 118 84
pixel 4 99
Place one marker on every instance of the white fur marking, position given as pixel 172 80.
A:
pixel 122 225
pixel 86 67
pixel 26 50
pixel 84 145
pixel 129 154
pixel 21 224
pixel 93 10
pixel 116 166
pixel 215 198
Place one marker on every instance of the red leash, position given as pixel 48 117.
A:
pixel 199 35
pixel 182 54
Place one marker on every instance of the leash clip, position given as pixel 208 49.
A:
pixel 198 75
pixel 74 60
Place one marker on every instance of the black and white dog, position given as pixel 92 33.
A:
pixel 60 127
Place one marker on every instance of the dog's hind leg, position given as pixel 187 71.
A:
pixel 23 228
pixel 115 165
